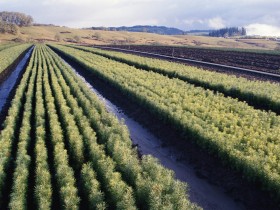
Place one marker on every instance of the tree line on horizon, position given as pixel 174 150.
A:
pixel 163 30
pixel 228 32
pixel 10 21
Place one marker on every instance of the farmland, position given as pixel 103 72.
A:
pixel 62 149
pixel 97 37
pixel 241 134
pixel 262 60
pixel 8 54
pixel 67 139
pixel 258 94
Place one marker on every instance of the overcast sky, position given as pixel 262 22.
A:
pixel 260 17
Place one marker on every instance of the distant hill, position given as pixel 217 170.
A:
pixel 51 33
pixel 198 32
pixel 144 28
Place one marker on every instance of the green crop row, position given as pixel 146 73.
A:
pixel 23 159
pixel 248 139
pixel 91 188
pixel 106 171
pixel 82 155
pixel 9 55
pixel 64 173
pixel 7 45
pixel 11 125
pixel 257 93
pixel 43 186
pixel 118 145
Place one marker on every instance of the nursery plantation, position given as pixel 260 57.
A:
pixel 245 137
pixel 9 53
pixel 60 147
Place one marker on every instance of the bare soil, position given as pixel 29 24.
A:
pixel 237 73
pixel 256 61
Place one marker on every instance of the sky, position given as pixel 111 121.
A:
pixel 259 17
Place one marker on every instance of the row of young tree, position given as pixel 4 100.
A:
pixel 10 21
pixel 245 138
pixel 71 152
pixel 126 181
pixel 257 94
pixel 10 54
pixel 229 31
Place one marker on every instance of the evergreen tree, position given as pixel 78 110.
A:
pixel 228 32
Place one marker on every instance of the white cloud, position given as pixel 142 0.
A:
pixel 216 23
pixel 263 30
pixel 193 21
pixel 183 14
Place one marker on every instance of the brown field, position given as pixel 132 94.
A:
pixel 48 33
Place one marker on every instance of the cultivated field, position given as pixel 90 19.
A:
pixel 61 148
pixel 243 136
pixel 262 60
pixel 65 34
pixel 8 54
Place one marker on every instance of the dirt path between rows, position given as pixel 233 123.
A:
pixel 258 61
pixel 8 86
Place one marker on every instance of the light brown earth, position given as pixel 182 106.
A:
pixel 48 33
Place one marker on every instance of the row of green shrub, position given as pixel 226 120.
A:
pixel 246 138
pixel 10 54
pixel 64 173
pixel 7 45
pixel 23 159
pixel 150 190
pixel 12 123
pixel 43 185
pixel 120 195
pixel 82 155
pixel 261 94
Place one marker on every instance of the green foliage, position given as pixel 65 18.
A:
pixel 74 131
pixel 7 45
pixel 12 122
pixel 119 193
pixel 246 138
pixel 43 188
pixel 74 139
pixel 9 55
pixel 161 181
pixel 92 188
pixel 110 132
pixel 228 32
pixel 64 173
pixel 260 93
pixel 21 174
